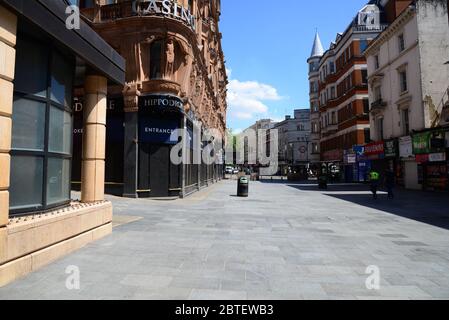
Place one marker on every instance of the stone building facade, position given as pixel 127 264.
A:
pixel 294 141
pixel 40 63
pixel 409 93
pixel 175 79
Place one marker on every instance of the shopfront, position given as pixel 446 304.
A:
pixel 375 153
pixel 393 164
pixel 333 164
pixel 408 175
pixel 431 155
pixel 350 166
pixel 160 117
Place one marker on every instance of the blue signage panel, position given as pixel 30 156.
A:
pixel 157 130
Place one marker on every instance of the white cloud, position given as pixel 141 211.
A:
pixel 246 99
pixel 228 72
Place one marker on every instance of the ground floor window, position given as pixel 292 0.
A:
pixel 42 127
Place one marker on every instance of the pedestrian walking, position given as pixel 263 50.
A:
pixel 390 183
pixel 374 182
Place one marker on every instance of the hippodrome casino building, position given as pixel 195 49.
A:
pixel 175 78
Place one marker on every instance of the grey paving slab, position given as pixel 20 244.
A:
pixel 286 241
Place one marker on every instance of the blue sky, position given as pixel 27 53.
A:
pixel 266 45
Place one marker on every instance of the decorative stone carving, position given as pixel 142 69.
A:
pixel 165 86
pixel 131 95
pixel 169 59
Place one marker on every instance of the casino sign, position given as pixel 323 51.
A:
pixel 166 8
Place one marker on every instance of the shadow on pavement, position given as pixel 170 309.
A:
pixel 427 207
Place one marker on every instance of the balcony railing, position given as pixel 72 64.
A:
pixel 370 28
pixel 116 11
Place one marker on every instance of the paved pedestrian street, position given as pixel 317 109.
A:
pixel 286 241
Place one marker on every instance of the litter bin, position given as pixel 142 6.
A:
pixel 242 187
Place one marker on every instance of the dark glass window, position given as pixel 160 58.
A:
pixel 42 128
pixel 31 68
pixel 365 106
pixel 155 60
pixel 401 42
pixel 364 76
pixel 367 133
pixel 403 81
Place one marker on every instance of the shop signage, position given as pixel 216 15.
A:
pixel 421 143
pixel 112 105
pixel 438 143
pixel 156 130
pixel 167 102
pixel 333 155
pixel 374 149
pixel 391 148
pixel 437 157
pixel 359 150
pixel 351 158
pixel 166 8
pixel 405 147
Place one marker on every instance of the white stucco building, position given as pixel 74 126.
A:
pixel 294 139
pixel 409 79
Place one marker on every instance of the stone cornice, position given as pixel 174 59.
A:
pixel 397 24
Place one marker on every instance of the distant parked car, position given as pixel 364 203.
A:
pixel 229 170
pixel 236 171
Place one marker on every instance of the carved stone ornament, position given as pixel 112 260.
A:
pixel 131 95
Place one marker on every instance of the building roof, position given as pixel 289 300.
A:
pixel 317 50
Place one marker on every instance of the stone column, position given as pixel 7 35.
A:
pixel 94 139
pixel 8 30
pixel 131 152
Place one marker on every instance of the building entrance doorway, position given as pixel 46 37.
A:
pixel 159 170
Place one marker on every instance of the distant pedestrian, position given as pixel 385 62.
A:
pixel 374 182
pixel 390 183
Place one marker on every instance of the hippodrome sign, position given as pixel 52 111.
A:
pixel 165 7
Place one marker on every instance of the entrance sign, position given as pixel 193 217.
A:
pixel 165 8
pixel 155 130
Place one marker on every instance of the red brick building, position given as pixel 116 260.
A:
pixel 343 87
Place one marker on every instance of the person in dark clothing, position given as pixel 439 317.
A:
pixel 389 183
